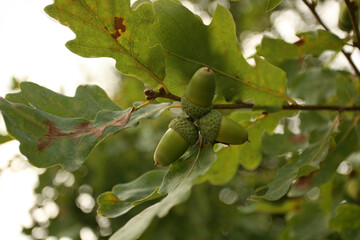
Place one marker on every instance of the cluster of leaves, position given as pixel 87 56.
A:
pixel 284 183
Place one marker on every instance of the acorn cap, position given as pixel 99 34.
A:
pixel 193 110
pixel 185 128
pixel 210 125
pixel 201 88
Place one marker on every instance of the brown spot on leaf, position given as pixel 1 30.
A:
pixel 304 182
pixel 54 131
pixel 300 42
pixel 119 26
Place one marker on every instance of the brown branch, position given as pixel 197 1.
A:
pixel 311 6
pixel 351 9
pixel 292 107
pixel 151 95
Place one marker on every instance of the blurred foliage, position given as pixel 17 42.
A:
pixel 234 210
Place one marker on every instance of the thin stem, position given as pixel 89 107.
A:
pixel 351 9
pixel 162 94
pixel 292 107
pixel 311 6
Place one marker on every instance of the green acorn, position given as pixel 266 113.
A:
pixel 214 127
pixel 181 134
pixel 197 100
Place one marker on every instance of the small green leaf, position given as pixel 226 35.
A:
pixel 348 217
pixel 272 4
pixel 177 183
pixel 111 28
pixel 47 139
pixel 313 43
pixel 125 196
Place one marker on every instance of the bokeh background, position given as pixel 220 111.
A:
pixel 56 204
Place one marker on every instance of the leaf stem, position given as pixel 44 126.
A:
pixel 311 6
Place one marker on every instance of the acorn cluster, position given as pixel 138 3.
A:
pixel 201 119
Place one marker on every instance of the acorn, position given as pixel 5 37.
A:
pixel 197 100
pixel 216 128
pixel 182 134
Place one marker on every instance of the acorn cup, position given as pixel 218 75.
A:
pixel 215 127
pixel 182 134
pixel 197 100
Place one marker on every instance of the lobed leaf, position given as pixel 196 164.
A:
pixel 190 44
pixel 112 29
pixel 47 139
pixel 314 43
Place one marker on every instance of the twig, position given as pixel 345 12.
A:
pixel 311 6
pixel 152 95
pixel 351 9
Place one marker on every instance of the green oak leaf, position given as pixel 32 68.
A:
pixel 302 165
pixel 313 43
pixel 190 44
pixel 110 28
pixel 348 217
pixel 176 184
pixel 47 139
pixel 125 196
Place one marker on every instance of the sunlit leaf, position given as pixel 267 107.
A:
pixel 67 139
pixel 112 29
pixel 190 44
